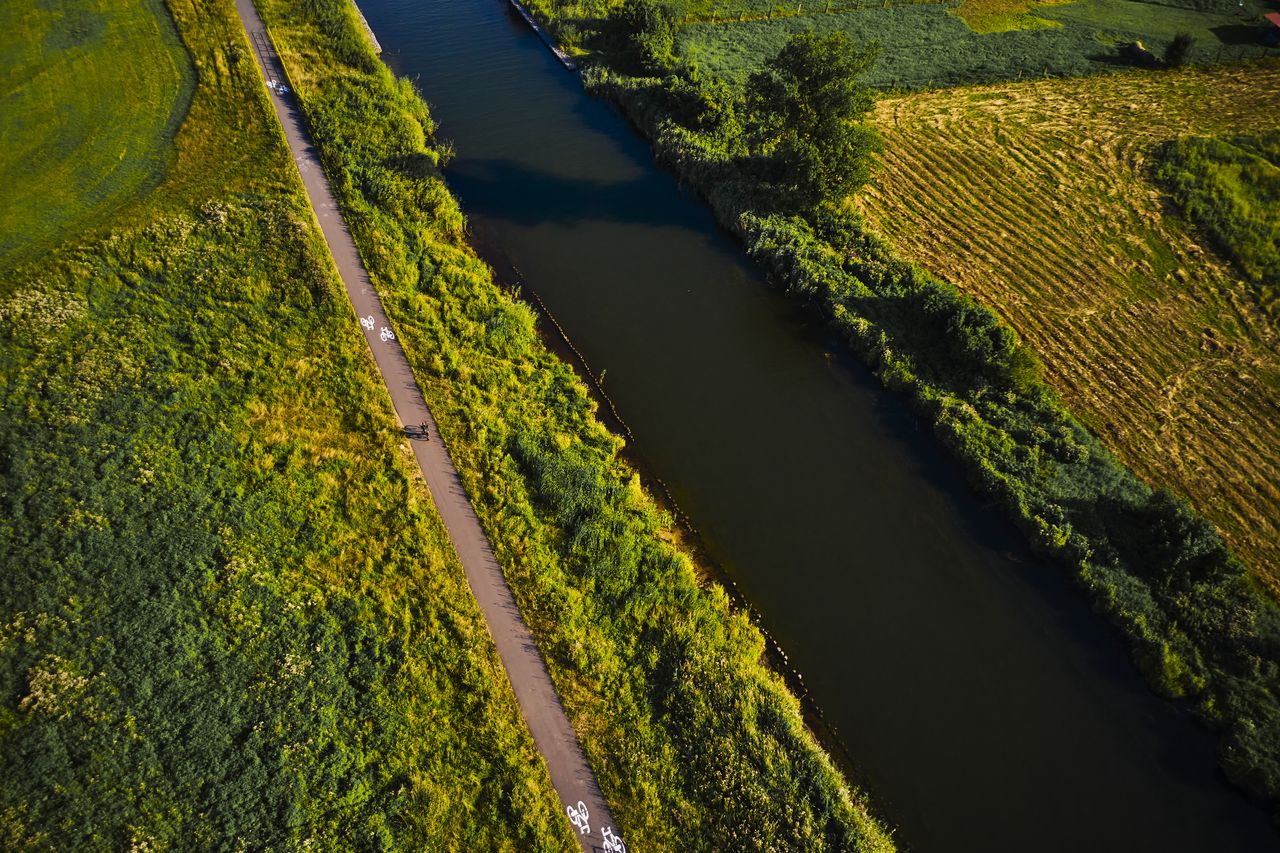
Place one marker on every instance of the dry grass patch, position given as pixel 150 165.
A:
pixel 1037 199
pixel 1000 16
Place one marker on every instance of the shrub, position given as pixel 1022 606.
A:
pixel 650 28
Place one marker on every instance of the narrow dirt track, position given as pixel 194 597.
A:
pixel 552 733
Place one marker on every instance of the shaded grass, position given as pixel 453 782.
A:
pixel 749 10
pixel 229 613
pixel 923 46
pixel 1155 24
pixel 84 132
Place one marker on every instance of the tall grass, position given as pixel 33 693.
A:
pixel 930 45
pixel 229 614
pixel 922 46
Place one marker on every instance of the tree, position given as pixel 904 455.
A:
pixel 807 111
pixel 650 29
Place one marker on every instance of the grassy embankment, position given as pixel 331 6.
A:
pixel 694 741
pixel 1199 626
pixel 229 614
pixel 1038 200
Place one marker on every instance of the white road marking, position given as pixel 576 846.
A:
pixel 612 843
pixel 579 817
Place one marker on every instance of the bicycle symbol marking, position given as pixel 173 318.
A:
pixel 386 334
pixel 367 322
pixel 579 817
pixel 612 843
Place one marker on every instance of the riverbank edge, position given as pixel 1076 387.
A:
pixel 843 817
pixel 801 262
pixel 685 536
pixel 368 30
pixel 551 44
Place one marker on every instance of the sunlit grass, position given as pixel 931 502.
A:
pixel 85 130
pixel 1002 16
pixel 1039 200
pixel 229 612
pixel 694 741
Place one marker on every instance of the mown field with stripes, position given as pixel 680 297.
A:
pixel 1038 200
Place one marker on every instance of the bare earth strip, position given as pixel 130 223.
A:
pixel 1036 199
pixel 554 736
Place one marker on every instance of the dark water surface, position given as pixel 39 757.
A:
pixel 984 707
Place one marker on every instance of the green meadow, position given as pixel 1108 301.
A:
pixel 84 131
pixel 229 613
pixel 694 741
pixel 229 610
pixel 928 45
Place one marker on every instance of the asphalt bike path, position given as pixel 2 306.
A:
pixel 555 738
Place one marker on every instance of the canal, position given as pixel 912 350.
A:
pixel 983 707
